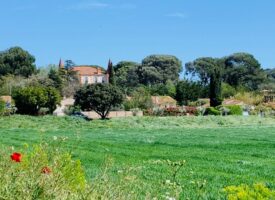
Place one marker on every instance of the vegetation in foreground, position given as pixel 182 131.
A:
pixel 181 157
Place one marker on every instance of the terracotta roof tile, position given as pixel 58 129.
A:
pixel 88 70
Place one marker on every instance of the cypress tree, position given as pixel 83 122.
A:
pixel 111 73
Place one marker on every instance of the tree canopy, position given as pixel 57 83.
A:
pixel 209 71
pixel 159 69
pixel 242 69
pixel 17 61
pixel 99 98
pixel 126 74
pixel 187 91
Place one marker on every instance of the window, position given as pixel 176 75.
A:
pixel 99 79
pixel 86 79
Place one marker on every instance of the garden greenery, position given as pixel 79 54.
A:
pixel 34 100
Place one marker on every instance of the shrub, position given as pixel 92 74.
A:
pixel 141 99
pixel 162 112
pixel 2 106
pixel 262 110
pixel 250 98
pixel 212 111
pixel 227 90
pixel 173 111
pixel 31 100
pixel 245 192
pixel 224 110
pixel 235 110
pixel 191 110
pixel 72 110
pixel 41 173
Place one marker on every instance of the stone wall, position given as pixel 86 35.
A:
pixel 114 114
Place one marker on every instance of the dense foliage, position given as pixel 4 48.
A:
pixel 159 69
pixel 141 99
pixel 159 73
pixel 16 61
pixel 65 80
pixel 210 72
pixel 33 100
pixel 242 69
pixel 99 98
pixel 235 110
pixel 169 88
pixel 187 91
pixel 126 73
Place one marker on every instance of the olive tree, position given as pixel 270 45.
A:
pixel 99 98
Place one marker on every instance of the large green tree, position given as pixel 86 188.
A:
pixel 126 75
pixel 187 91
pixel 99 98
pixel 242 69
pixel 17 61
pixel 159 69
pixel 209 70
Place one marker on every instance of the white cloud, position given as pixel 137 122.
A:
pixel 177 15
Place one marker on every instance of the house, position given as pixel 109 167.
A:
pixel 164 101
pixel 90 74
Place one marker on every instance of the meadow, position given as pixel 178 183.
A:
pixel 162 158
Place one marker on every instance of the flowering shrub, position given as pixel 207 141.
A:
pixel 174 111
pixel 161 112
pixel 40 173
pixel 244 192
pixel 191 110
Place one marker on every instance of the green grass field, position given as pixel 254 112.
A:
pixel 219 151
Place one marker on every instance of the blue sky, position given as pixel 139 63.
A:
pixel 92 31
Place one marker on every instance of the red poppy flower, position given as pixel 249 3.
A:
pixel 16 157
pixel 46 170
